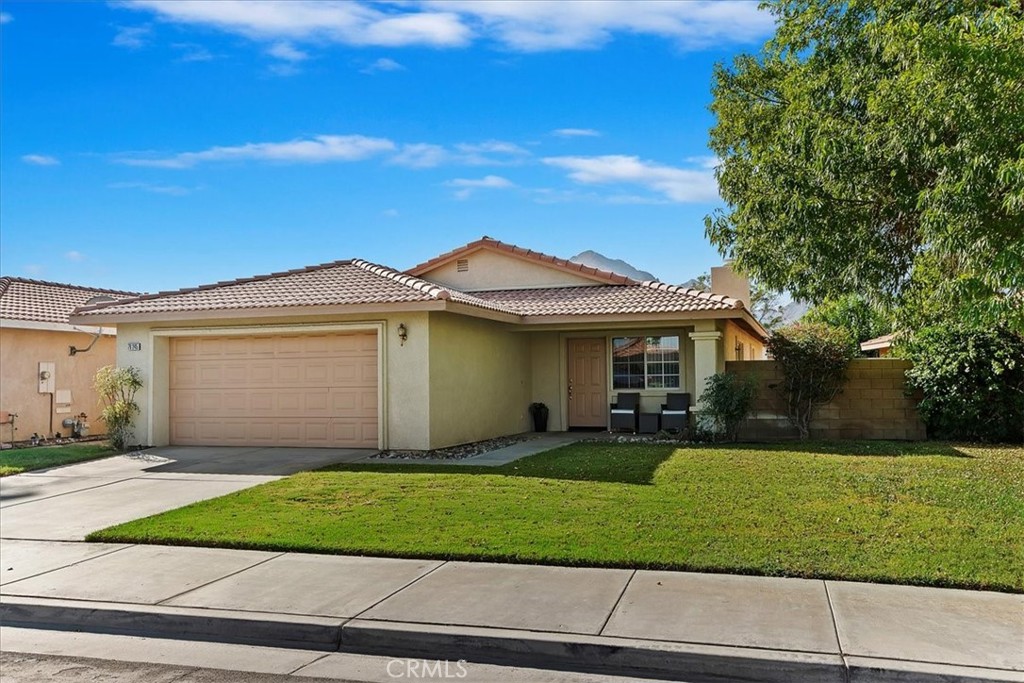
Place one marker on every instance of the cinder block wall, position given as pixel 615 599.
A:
pixel 872 405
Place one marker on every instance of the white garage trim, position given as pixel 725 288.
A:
pixel 378 326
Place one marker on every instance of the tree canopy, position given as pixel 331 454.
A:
pixel 851 312
pixel 877 147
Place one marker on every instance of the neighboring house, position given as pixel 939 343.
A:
pixel 878 347
pixel 41 380
pixel 353 354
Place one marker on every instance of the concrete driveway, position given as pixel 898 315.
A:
pixel 67 503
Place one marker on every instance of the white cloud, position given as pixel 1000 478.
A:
pixel 287 52
pixel 33 269
pixel 192 52
pixel 421 155
pixel 382 64
pixel 576 133
pixel 75 256
pixel 487 153
pixel 6 18
pixel 132 37
pixel 556 25
pixel 466 186
pixel 677 184
pixel 40 160
pixel 348 23
pixel 533 26
pixel 320 149
pixel 390 213
pixel 709 162
pixel 155 188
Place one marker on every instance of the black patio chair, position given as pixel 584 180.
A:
pixel 624 411
pixel 675 413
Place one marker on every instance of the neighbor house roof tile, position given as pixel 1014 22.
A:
pixel 46 302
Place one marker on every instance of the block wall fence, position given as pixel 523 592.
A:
pixel 872 405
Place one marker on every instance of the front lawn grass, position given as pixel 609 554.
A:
pixel 929 513
pixel 18 460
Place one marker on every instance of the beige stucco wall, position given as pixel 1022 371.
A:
pixel 405 418
pixel 493 270
pixel 547 376
pixel 479 380
pixel 735 334
pixel 21 351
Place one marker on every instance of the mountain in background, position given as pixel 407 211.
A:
pixel 601 262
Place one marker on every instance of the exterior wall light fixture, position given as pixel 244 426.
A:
pixel 403 333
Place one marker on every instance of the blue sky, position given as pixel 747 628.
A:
pixel 161 144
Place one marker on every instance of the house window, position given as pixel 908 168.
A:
pixel 645 363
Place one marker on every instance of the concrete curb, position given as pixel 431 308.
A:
pixel 224 626
pixel 592 654
pixel 694 663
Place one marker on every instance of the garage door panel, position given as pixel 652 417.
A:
pixel 283 390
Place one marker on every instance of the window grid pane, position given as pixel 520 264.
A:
pixel 645 362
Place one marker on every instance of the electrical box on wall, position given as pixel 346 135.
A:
pixel 47 380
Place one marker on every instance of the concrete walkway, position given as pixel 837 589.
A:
pixel 646 623
pixel 523 449
pixel 67 503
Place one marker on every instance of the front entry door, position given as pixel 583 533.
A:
pixel 588 382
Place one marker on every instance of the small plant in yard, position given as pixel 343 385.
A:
pixel 972 382
pixel 117 388
pixel 726 402
pixel 813 358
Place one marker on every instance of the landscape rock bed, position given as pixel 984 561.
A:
pixel 461 452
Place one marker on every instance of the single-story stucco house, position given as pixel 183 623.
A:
pixel 42 381
pixel 454 350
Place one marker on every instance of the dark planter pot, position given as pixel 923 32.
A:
pixel 539 413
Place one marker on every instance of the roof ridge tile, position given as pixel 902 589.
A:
pixel 431 289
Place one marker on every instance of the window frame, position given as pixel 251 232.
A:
pixel 680 374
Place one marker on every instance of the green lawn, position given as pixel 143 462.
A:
pixel 18 460
pixel 892 512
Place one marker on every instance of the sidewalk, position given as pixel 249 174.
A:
pixel 677 625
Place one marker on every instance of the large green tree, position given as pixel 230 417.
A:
pixel 851 312
pixel 877 146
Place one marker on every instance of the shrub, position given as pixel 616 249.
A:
pixel 117 388
pixel 726 402
pixel 972 382
pixel 813 358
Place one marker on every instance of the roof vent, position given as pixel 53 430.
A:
pixel 462 265
pixel 99 299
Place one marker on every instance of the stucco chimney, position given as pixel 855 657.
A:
pixel 725 280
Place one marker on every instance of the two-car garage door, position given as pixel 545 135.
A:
pixel 280 390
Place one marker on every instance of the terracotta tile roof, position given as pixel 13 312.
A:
pixel 357 282
pixel 645 297
pixel 46 302
pixel 338 283
pixel 493 244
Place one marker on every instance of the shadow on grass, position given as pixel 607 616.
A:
pixel 885 449
pixel 598 462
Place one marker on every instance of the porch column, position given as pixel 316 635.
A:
pixel 707 359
